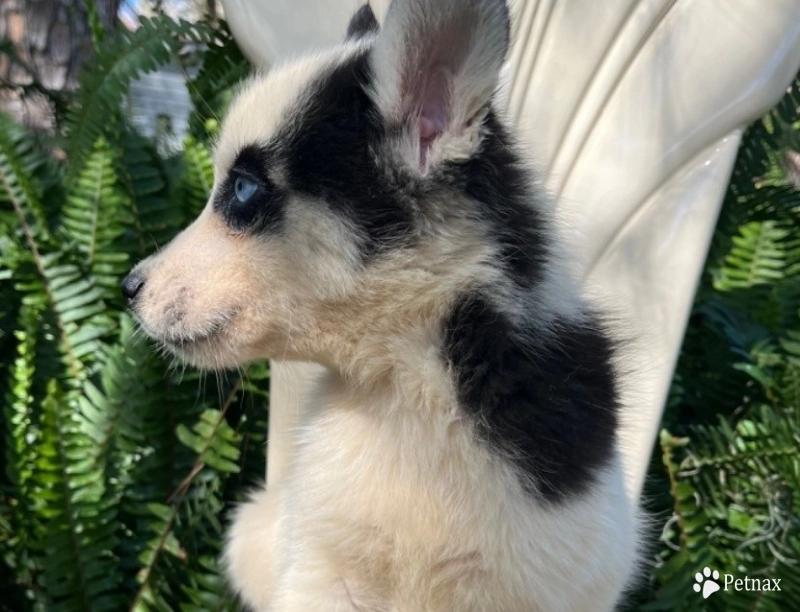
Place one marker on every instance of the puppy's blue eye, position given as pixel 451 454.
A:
pixel 244 189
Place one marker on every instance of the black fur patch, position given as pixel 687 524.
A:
pixel 329 151
pixel 264 212
pixel 331 147
pixel 551 410
pixel 501 187
pixel 362 23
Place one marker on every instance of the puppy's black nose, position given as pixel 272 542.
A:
pixel 132 285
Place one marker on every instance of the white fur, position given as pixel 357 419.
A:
pixel 390 507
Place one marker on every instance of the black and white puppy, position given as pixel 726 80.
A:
pixel 371 213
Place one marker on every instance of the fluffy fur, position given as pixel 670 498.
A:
pixel 370 213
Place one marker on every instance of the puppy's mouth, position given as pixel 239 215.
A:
pixel 188 341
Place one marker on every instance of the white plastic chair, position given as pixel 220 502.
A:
pixel 633 110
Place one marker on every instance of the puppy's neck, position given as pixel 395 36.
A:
pixel 385 347
pixel 390 328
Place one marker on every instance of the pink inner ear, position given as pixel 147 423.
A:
pixel 433 101
pixel 429 128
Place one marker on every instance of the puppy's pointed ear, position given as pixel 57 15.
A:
pixel 436 64
pixel 362 23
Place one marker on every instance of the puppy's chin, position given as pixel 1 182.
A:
pixel 207 354
pixel 208 344
pixel 221 351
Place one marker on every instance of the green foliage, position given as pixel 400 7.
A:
pixel 117 63
pixel 97 191
pixel 118 470
pixel 726 480
pixel 222 70
pixel 199 175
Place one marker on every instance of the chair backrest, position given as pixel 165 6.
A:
pixel 633 111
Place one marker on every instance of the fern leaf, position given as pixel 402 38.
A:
pixel 19 415
pixel 121 473
pixel 96 215
pixel 60 286
pixel 206 590
pixel 18 187
pixel 223 67
pixel 757 257
pixel 156 217
pixel 80 312
pixel 21 428
pixel 118 63
pixel 77 518
pixel 734 489
pixel 199 175
pixel 215 451
pixel 96 29
pixel 213 440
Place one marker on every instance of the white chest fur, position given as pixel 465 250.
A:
pixel 400 510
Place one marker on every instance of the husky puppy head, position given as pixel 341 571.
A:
pixel 358 191
pixel 370 213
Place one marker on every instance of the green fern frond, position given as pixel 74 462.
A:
pixel 223 68
pixel 118 62
pixel 95 216
pixel 206 590
pixel 18 187
pixel 213 440
pixel 214 443
pixel 199 175
pixel 757 257
pixel 735 493
pixel 156 217
pixel 118 471
pixel 80 312
pixel 77 519
pixel 57 285
pixel 96 29
pixel 21 421
pixel 112 409
pixel 21 428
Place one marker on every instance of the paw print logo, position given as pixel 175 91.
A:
pixel 708 580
